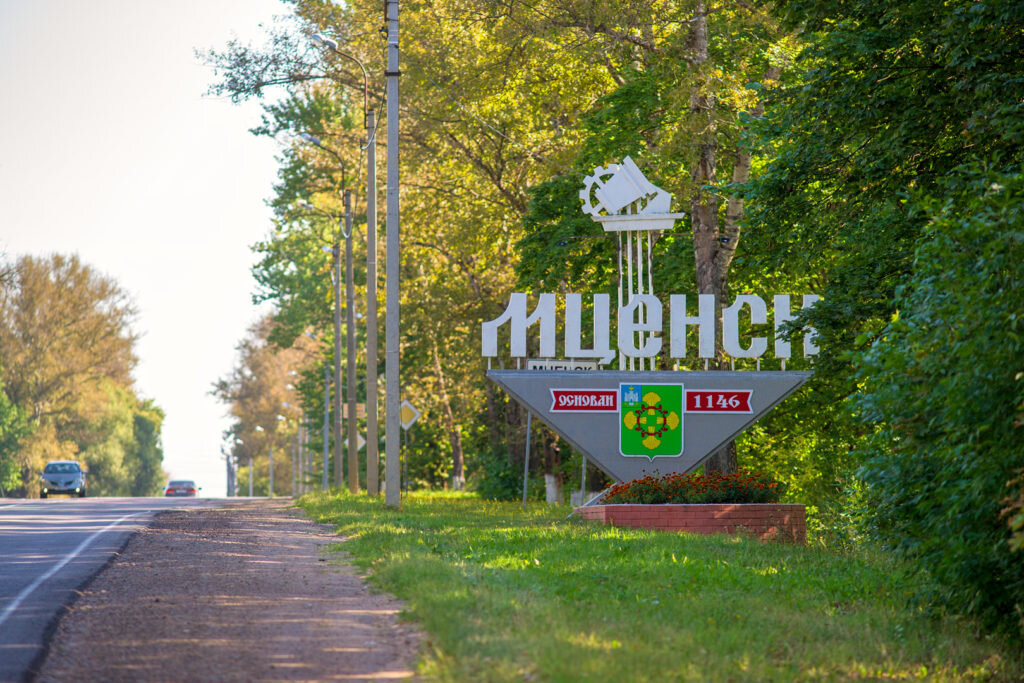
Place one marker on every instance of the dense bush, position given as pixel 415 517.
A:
pixel 716 487
pixel 944 388
pixel 493 476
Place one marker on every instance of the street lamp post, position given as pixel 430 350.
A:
pixel 327 437
pixel 272 434
pixel 259 428
pixel 233 491
pixel 350 351
pixel 336 249
pixel 369 121
pixel 230 483
pixel 372 457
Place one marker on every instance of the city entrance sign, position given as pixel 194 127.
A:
pixel 636 420
pixel 631 424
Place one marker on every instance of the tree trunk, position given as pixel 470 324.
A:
pixel 552 469
pixel 714 249
pixel 703 202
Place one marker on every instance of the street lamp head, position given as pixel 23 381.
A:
pixel 307 206
pixel 309 137
pixel 326 42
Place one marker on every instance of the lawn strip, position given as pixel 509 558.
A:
pixel 505 594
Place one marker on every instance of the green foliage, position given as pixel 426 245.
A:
pixel 149 475
pixel 1014 512
pixel 713 487
pixel 120 446
pixel 505 595
pixel 944 384
pixel 14 428
pixel 495 476
pixel 890 97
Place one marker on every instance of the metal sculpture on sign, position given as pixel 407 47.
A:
pixel 623 201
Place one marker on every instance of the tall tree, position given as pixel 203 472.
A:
pixel 263 402
pixel 67 343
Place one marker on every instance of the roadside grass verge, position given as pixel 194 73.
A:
pixel 506 595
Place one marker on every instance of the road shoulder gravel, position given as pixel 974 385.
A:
pixel 239 592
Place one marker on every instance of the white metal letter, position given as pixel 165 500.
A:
pixel 810 334
pixel 574 331
pixel 704 320
pixel 520 323
pixel 782 315
pixel 629 326
pixel 731 327
pixel 780 304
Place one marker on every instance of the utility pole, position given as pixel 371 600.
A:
pixel 372 436
pixel 230 488
pixel 271 464
pixel 350 351
pixel 392 435
pixel 324 474
pixel 338 475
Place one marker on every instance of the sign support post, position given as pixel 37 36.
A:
pixel 526 460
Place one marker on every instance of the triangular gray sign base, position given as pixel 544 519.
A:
pixel 596 430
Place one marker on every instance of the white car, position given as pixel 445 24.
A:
pixel 63 476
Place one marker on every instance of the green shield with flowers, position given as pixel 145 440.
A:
pixel 651 420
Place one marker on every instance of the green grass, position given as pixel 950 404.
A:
pixel 507 595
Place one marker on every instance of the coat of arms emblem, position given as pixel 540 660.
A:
pixel 651 420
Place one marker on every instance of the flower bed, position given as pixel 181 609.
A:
pixel 739 487
pixel 765 521
pixel 742 502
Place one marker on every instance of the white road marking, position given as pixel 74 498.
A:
pixel 56 568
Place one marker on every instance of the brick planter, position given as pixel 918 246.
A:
pixel 766 521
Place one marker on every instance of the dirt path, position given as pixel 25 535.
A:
pixel 240 592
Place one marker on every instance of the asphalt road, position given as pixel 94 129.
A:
pixel 48 550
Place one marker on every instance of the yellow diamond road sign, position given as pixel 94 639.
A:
pixel 408 415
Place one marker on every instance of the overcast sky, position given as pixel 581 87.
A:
pixel 111 150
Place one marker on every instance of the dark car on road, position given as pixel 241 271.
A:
pixel 181 487
pixel 62 476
